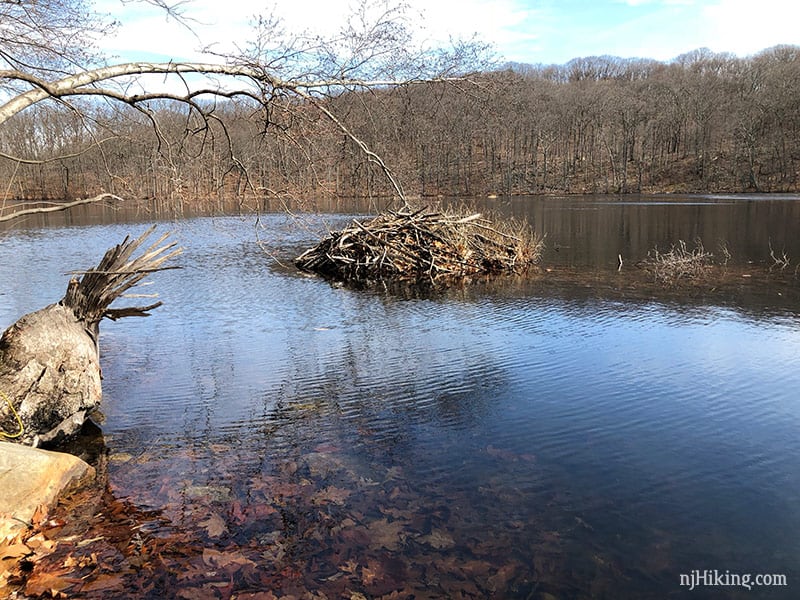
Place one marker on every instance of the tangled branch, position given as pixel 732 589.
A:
pixel 417 245
pixel 678 264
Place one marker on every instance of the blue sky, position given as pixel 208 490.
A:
pixel 532 31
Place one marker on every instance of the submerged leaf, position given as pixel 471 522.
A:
pixel 331 494
pixel 215 525
pixel 41 545
pixel 499 581
pixel 438 539
pixel 14 551
pixel 39 584
pixel 385 534
pixel 221 560
pixel 103 582
pixel 206 592
pixel 211 493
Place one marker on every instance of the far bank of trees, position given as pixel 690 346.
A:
pixel 702 122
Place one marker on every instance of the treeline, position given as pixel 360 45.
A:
pixel 704 122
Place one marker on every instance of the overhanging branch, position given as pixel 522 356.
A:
pixel 57 207
pixel 249 80
pixel 79 84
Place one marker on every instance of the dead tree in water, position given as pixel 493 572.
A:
pixel 49 359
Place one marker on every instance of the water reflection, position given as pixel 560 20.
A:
pixel 594 230
pixel 570 434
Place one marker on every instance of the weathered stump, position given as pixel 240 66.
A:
pixel 49 359
pixel 49 372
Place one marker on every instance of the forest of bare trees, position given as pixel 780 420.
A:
pixel 704 122
pixel 259 122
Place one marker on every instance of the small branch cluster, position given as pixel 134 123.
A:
pixel 679 263
pixel 780 262
pixel 90 296
pixel 418 245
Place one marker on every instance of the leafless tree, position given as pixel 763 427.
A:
pixel 369 112
pixel 285 78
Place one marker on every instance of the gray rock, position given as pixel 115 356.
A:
pixel 30 478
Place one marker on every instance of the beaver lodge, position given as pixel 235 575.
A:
pixel 423 245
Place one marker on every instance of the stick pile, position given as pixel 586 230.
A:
pixel 417 245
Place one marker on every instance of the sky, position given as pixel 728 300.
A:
pixel 526 31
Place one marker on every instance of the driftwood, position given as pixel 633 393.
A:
pixel 419 245
pixel 49 359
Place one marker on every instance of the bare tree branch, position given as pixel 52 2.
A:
pixel 295 79
pixel 372 156
pixel 83 84
pixel 57 207
pixel 41 161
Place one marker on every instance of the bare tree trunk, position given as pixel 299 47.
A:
pixel 49 359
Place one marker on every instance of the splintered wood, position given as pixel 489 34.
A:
pixel 421 245
pixel 49 359
pixel 90 296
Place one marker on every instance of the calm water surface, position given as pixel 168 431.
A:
pixel 548 437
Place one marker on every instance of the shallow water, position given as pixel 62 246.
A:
pixel 550 436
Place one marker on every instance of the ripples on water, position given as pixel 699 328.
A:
pixel 559 445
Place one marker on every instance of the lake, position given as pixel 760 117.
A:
pixel 576 433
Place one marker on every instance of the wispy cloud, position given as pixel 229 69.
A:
pixel 657 2
pixel 744 27
pixel 521 30
pixel 223 24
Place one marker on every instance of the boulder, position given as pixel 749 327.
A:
pixel 30 478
